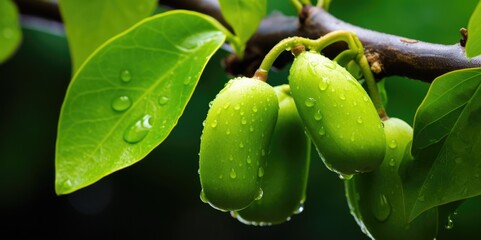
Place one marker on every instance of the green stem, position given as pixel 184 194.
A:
pixel 323 4
pixel 315 45
pixel 297 5
pixel 372 87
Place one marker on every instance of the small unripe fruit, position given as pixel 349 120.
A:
pixel 234 143
pixel 376 199
pixel 339 116
pixel 286 174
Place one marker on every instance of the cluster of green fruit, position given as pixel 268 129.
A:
pixel 255 148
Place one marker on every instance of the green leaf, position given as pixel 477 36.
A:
pixel 10 32
pixel 473 45
pixel 128 96
pixel 244 16
pixel 447 139
pixel 90 23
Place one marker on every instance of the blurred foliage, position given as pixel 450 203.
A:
pixel 159 196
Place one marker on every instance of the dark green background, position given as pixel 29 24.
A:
pixel 158 198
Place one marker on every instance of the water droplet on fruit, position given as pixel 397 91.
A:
pixel 310 102
pixel 139 130
pixel 393 144
pixel 233 174
pixel 237 107
pixel 214 123
pixel 121 103
pixel 299 208
pixel 345 176
pixel 449 224
pixel 163 100
pixel 324 83
pixel 392 162
pixel 243 121
pixel 241 145
pixel 359 120
pixel 382 208
pixel 342 96
pixel 226 105
pixel 249 160
pixel 125 76
pixel 203 198
pixel 322 131
pixel 251 128
pixel 365 98
pixel 227 132
pixel 254 109
pixel 318 115
pixel 260 173
pixel 260 193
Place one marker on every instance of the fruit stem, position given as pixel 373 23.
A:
pixel 323 4
pixel 372 87
pixel 317 45
pixel 297 5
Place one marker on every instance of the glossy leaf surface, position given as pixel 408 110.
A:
pixel 90 23
pixel 129 95
pixel 10 32
pixel 446 142
pixel 473 45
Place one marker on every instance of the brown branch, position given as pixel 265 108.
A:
pixel 388 55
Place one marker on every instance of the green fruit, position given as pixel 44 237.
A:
pixel 339 116
pixel 376 199
pixel 234 143
pixel 286 174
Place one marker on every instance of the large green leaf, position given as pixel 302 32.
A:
pixel 127 97
pixel 90 23
pixel 447 139
pixel 473 45
pixel 10 32
pixel 244 16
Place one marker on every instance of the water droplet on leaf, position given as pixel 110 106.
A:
pixel 382 208
pixel 121 103
pixel 163 100
pixel 125 76
pixel 233 174
pixel 139 130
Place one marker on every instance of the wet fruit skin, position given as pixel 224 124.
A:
pixel 235 141
pixel 376 199
pixel 339 116
pixel 286 174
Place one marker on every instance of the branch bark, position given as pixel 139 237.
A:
pixel 388 55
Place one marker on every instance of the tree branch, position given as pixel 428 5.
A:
pixel 388 55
